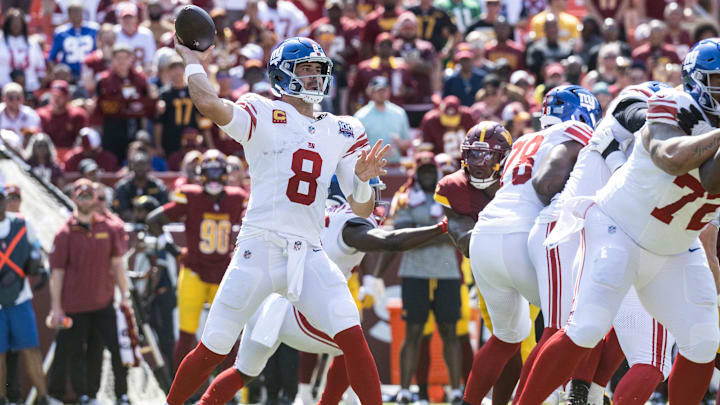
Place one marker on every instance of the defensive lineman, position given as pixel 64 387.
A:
pixel 642 230
pixel 292 155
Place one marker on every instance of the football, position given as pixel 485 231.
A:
pixel 195 28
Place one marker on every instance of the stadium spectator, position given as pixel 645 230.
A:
pixel 419 55
pixel 677 35
pixel 590 36
pixel 123 99
pixel 143 142
pixel 465 81
pixel 705 30
pixel 17 317
pixel 177 111
pixel 610 34
pixel 463 12
pixel 503 47
pixel 249 29
pixel 516 120
pixel 61 120
pixel 138 182
pixel 285 18
pixel 82 286
pixel 21 50
pixel 567 24
pixel 383 64
pixel 486 22
pixel 74 41
pixel 430 278
pixel 547 49
pixel 601 90
pixel 574 69
pixel 40 154
pixel 336 103
pixel 385 120
pixel 156 22
pixel 90 147
pixel 93 11
pixel 98 60
pixel 492 95
pixel 236 173
pixel 15 116
pixel 130 33
pixel 254 72
pixel 14 198
pixel 346 39
pixel 191 140
pixel 189 169
pixel 380 20
pixel 436 26
pixel 656 51
pixel 444 127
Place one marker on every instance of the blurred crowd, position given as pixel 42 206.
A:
pixel 87 84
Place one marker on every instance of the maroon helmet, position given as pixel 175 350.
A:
pixel 213 171
pixel 483 151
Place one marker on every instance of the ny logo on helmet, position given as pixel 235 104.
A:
pixel 587 101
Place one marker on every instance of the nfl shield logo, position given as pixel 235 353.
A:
pixel 247 254
pixel 297 245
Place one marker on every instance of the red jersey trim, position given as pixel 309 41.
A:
pixel 579 134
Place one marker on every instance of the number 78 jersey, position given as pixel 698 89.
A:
pixel 662 213
pixel 291 160
pixel 516 205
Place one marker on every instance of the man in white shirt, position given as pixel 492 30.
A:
pixel 129 32
pixel 288 21
pixel 15 116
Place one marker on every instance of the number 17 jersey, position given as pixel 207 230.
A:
pixel 291 160
pixel 516 205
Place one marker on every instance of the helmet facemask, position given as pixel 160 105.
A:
pixel 482 164
pixel 213 179
pixel 296 88
pixel 382 208
pixel 707 92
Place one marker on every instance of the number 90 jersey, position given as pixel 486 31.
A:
pixel 662 213
pixel 291 160
pixel 516 205
pixel 208 227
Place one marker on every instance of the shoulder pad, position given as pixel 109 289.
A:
pixel 575 130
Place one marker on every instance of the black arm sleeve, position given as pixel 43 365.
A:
pixel 631 114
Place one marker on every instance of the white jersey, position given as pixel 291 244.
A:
pixel 142 43
pixel 590 172
pixel 662 213
pixel 26 122
pixel 516 205
pixel 291 160
pixel 287 20
pixel 346 257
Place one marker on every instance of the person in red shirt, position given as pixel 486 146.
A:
pixel 249 29
pixel 656 51
pixel 209 211
pixel 59 119
pixel 504 47
pixel 90 147
pixel 82 286
pixel 380 20
pixel 445 126
pixel 384 64
pixel 192 140
pixel 676 34
pixel 346 43
pixel 98 60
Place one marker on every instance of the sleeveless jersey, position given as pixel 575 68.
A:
pixel 516 205
pixel 346 257
pixel 591 172
pixel 291 160
pixel 660 212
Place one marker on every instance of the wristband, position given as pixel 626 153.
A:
pixel 194 68
pixel 362 192
pixel 443 225
pixel 614 160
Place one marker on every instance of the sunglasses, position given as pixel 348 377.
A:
pixel 13 197
pixel 13 98
pixel 85 197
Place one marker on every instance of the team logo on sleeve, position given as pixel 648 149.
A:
pixel 345 129
pixel 279 117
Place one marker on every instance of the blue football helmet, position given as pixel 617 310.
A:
pixel 702 61
pixel 336 196
pixel 285 59
pixel 570 102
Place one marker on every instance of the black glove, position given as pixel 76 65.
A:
pixel 688 118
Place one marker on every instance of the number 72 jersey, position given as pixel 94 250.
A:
pixel 516 205
pixel 662 213
pixel 291 159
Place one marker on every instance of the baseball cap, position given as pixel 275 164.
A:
pixel 12 189
pixel 90 138
pixel 252 51
pixel 382 37
pixel 174 60
pixel 82 186
pixel 515 112
pixel 521 75
pixel 554 69
pixel 60 87
pixel 425 158
pixel 601 88
pixel 253 63
pixel 450 108
pixel 464 54
pixel 332 3
pixel 122 47
pixel 125 9
pixel 86 166
pixel 378 82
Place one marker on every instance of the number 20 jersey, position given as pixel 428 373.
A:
pixel 292 159
pixel 516 205
pixel 662 213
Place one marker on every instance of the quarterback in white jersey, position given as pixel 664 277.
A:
pixel 345 238
pixel 643 230
pixel 292 154
pixel 498 246
pixel 638 334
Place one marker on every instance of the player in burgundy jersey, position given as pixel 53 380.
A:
pixel 209 211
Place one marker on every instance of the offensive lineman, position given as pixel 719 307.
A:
pixel 292 155
pixel 642 229
pixel 346 238
pixel 498 245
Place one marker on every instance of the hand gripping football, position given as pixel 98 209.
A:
pixel 195 28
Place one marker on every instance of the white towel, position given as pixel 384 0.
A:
pixel 570 221
pixel 296 251
pixel 272 313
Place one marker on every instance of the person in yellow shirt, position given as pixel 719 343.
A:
pixel 567 23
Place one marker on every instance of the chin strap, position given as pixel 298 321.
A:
pixel 482 184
